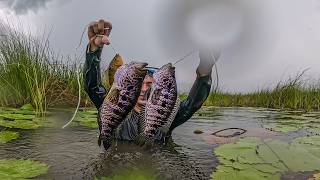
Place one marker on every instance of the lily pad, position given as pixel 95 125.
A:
pixel 27 107
pixel 254 158
pixel 290 123
pixel 90 123
pixel 282 128
pixel 19 124
pixel 17 116
pixel 6 136
pixel 87 118
pixel 21 169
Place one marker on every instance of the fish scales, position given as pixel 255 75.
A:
pixel 115 63
pixel 121 99
pixel 162 100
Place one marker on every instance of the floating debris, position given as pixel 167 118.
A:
pixel 198 131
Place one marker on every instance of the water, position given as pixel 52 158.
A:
pixel 73 153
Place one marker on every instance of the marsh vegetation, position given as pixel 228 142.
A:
pixel 33 80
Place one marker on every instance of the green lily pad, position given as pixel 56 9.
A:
pixel 6 136
pixel 311 140
pixel 87 118
pixel 131 174
pixel 227 173
pixel 17 116
pixel 12 169
pixel 90 123
pixel 291 122
pixel 282 128
pixel 27 107
pixel 19 124
pixel 253 158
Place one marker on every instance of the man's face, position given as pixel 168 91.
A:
pixel 147 83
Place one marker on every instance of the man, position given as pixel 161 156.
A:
pixel 98 33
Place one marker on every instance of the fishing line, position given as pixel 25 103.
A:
pixel 116 52
pixel 78 73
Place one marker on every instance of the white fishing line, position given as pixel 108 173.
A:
pixel 116 52
pixel 78 73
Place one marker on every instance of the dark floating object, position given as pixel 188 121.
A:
pixel 197 131
pixel 238 133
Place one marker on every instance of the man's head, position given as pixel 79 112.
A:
pixel 146 85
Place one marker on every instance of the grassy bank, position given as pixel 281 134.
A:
pixel 295 94
pixel 31 73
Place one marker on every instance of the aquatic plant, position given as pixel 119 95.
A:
pixel 23 118
pixel 31 73
pixel 19 124
pixel 254 158
pixel 309 122
pixel 6 136
pixel 294 93
pixel 21 169
pixel 87 117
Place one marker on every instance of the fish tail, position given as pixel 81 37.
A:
pixel 105 141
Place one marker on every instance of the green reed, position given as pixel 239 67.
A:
pixel 31 73
pixel 294 93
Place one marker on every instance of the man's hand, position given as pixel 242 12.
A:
pixel 207 59
pixel 98 33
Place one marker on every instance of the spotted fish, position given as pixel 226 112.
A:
pixel 115 63
pixel 161 103
pixel 120 100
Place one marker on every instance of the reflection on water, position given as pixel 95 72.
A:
pixel 73 153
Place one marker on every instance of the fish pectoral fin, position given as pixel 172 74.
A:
pixel 113 95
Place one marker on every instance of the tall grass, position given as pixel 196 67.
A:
pixel 294 93
pixel 31 73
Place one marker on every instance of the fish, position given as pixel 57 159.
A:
pixel 120 99
pixel 160 104
pixel 115 63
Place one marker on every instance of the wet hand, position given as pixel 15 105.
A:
pixel 207 60
pixel 98 33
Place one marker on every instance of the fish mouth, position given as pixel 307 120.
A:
pixel 141 65
pixel 168 66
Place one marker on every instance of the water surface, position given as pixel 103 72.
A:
pixel 73 153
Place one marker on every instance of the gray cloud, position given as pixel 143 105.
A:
pixel 23 6
pixel 277 38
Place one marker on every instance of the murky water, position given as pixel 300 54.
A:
pixel 73 153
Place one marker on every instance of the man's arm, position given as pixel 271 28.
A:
pixel 92 77
pixel 199 91
pixel 98 33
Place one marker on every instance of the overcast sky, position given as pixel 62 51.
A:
pixel 261 42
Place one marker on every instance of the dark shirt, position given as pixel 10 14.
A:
pixel 128 130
